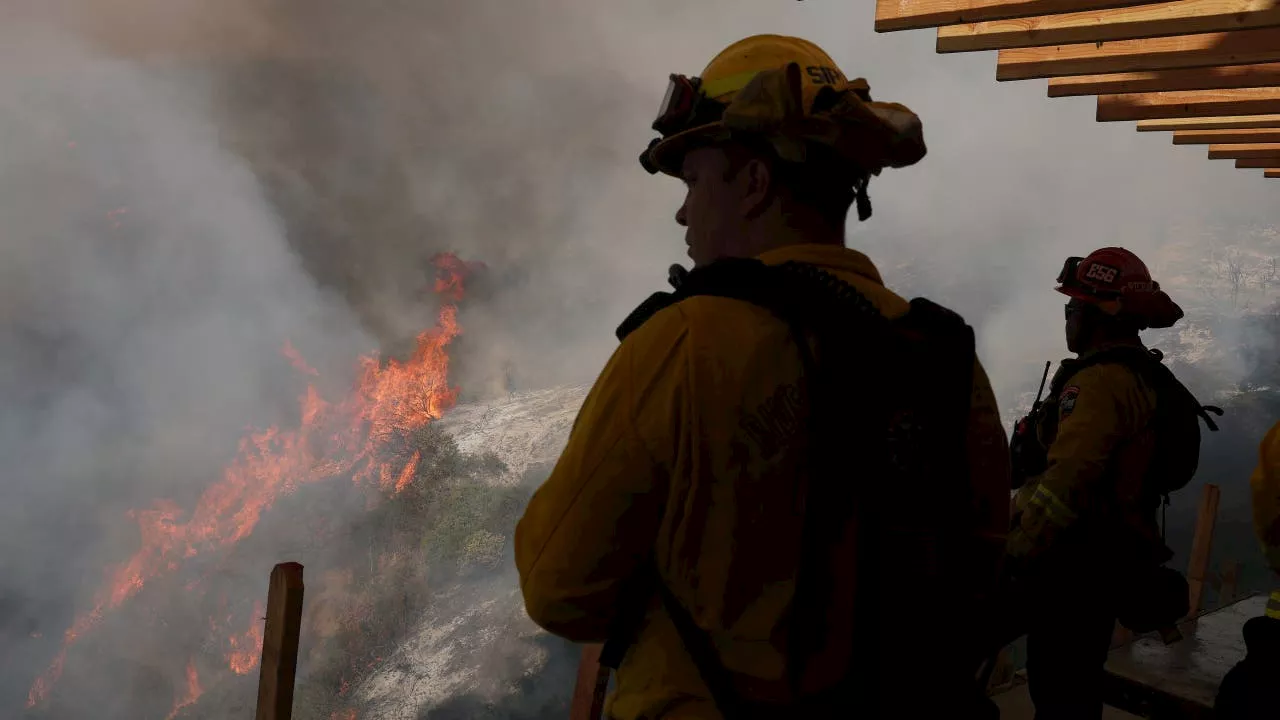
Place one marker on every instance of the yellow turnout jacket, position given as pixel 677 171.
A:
pixel 684 452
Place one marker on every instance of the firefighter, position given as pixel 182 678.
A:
pixel 689 450
pixel 1250 691
pixel 1086 547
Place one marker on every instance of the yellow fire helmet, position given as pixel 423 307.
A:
pixel 791 92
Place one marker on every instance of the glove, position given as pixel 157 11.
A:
pixel 1249 689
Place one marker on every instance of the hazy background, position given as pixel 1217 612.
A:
pixel 185 185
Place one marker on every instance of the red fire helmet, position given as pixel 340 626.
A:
pixel 1117 281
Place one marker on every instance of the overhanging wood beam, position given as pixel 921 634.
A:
pixel 1213 78
pixel 1244 152
pixel 1272 173
pixel 1183 17
pixel 1195 103
pixel 1256 163
pixel 1210 137
pixel 1242 47
pixel 916 14
pixel 1238 122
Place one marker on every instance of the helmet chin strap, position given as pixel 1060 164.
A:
pixel 861 198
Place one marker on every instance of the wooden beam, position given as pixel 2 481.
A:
pixel 1258 163
pixel 1214 78
pixel 1239 122
pixel 1202 545
pixel 1243 151
pixel 1272 173
pixel 593 681
pixel 280 643
pixel 1242 47
pixel 1189 104
pixel 1209 137
pixel 916 14
pixel 1183 17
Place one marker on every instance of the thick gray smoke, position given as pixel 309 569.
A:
pixel 186 185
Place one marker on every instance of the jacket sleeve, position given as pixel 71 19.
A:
pixel 1100 407
pixel 593 522
pixel 1265 489
pixel 990 475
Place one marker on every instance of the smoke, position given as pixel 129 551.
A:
pixel 146 288
pixel 185 185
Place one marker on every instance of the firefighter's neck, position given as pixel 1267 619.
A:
pixel 779 227
pixel 1106 336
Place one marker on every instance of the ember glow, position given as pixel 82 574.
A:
pixel 193 692
pixel 333 439
pixel 246 648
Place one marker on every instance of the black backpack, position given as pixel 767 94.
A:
pixel 887 414
pixel 1176 422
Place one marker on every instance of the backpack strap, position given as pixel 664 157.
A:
pixel 1148 365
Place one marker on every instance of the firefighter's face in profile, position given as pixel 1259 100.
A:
pixel 719 204
pixel 1077 325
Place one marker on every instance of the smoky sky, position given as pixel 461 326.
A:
pixel 185 185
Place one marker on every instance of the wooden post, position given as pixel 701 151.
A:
pixel 593 681
pixel 1201 545
pixel 280 643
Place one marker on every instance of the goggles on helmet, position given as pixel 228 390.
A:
pixel 683 94
pixel 684 106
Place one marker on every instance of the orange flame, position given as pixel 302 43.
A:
pixel 247 648
pixel 345 438
pixel 296 358
pixel 193 691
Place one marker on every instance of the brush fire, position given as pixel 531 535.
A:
pixel 375 445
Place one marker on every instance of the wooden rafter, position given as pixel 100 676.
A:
pixel 1183 17
pixel 916 14
pixel 1211 137
pixel 1238 122
pixel 1196 103
pixel 1242 47
pixel 1212 78
pixel 1244 152
pixel 1258 163
pixel 1271 173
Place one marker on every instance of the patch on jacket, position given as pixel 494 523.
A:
pixel 1067 401
pixel 775 422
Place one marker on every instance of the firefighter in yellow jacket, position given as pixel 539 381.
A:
pixel 1086 532
pixel 1250 690
pixel 689 447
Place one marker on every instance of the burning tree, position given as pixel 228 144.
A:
pixel 376 449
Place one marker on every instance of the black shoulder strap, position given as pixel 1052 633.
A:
pixel 1148 365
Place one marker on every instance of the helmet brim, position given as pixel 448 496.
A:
pixel 668 154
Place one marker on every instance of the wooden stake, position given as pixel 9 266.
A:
pixel 1242 47
pixel 1201 546
pixel 1184 17
pixel 593 682
pixel 915 14
pixel 1212 78
pixel 280 643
